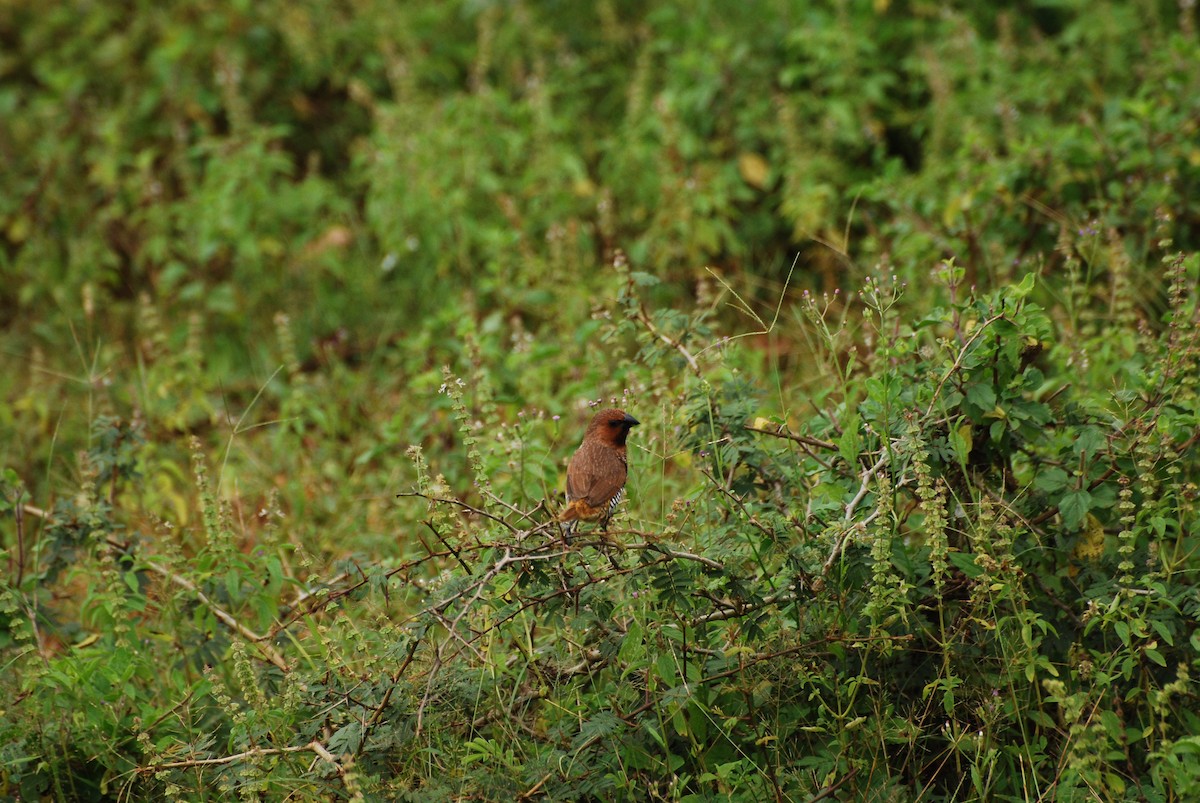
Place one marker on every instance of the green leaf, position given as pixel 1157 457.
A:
pixel 503 585
pixel 347 739
pixel 1074 508
pixel 233 582
pixel 981 395
pixel 1040 718
pixel 632 648
pixel 1163 632
pixel 961 440
pixel 1090 440
pixel 665 669
pixel 965 562
pixel 1115 783
pixel 1051 480
pixel 850 441
pixel 1024 287
pixel 654 732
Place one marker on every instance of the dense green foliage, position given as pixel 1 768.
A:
pixel 904 294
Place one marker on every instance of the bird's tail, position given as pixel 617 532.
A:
pixel 569 519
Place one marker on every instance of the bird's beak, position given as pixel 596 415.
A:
pixel 631 421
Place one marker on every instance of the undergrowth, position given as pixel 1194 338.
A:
pixel 958 576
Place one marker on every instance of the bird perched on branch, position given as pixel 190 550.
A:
pixel 596 474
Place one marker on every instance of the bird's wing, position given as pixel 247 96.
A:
pixel 596 473
pixel 579 476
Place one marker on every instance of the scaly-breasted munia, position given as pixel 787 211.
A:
pixel 596 474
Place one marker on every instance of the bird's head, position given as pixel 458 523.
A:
pixel 611 426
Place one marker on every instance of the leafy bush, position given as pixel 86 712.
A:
pixel 914 517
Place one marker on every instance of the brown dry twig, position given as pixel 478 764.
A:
pixel 801 439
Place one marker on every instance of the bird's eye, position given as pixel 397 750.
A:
pixel 614 423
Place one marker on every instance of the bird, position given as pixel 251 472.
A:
pixel 597 471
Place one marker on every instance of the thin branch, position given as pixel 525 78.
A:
pixel 676 554
pixel 801 439
pixel 758 658
pixel 387 695
pixel 675 344
pixel 750 517
pixel 311 592
pixel 260 641
pixel 313 746
pixel 529 794
pixel 866 482
pixel 527 515
pixel 429 523
pixel 19 513
pixel 461 504
pixel 765 328
pixel 36 511
pixel 962 354
pixel 851 506
pixel 742 610
pixel 830 790
pixel 436 610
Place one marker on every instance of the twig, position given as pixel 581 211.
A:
pixel 308 594
pixel 750 517
pixel 19 513
pixel 36 511
pixel 802 439
pixel 761 657
pixel 429 523
pixel 536 788
pixel 387 695
pixel 313 746
pixel 866 480
pixel 765 328
pixel 528 515
pixel 461 504
pixel 676 554
pixel 260 641
pixel 742 610
pixel 851 506
pixel 678 346
pixel 829 790
pixel 962 354
pixel 436 610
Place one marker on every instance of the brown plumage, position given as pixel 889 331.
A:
pixel 596 474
